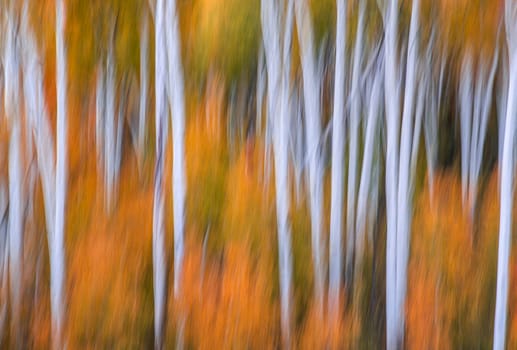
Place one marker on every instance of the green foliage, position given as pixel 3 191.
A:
pixel 302 260
pixel 224 36
pixel 324 18
pixel 90 25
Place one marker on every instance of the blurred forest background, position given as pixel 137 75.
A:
pixel 230 295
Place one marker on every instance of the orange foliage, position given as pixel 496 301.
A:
pixel 451 267
pixel 109 269
pixel 319 333
pixel 227 302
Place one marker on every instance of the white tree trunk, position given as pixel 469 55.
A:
pixel 465 121
pixel 161 125
pixel 392 96
pixel 365 190
pixel 277 51
pixel 507 172
pixel 177 103
pixel 16 199
pixel 405 174
pixel 311 93
pixel 338 136
pixel 354 239
pixel 57 257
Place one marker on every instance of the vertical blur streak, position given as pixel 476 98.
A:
pixel 3 263
pixel 312 95
pixel 419 112
pixel 475 103
pixel 507 170
pixel 392 96
pixel 261 87
pixel 280 145
pixel 109 132
pixel 277 65
pixel 354 238
pixel 482 105
pixel 109 127
pixel 159 268
pixel 433 98
pixel 4 201
pixel 338 126
pixel 37 116
pixel 177 103
pixel 297 141
pixel 502 98
pixel 365 189
pixel 144 47
pixel 100 109
pixel 117 136
pixel 477 90
pixel 57 267
pixel 465 121
pixel 405 175
pixel 16 200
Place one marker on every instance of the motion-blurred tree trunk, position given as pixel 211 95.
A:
pixel 57 256
pixel 507 178
pixel 159 254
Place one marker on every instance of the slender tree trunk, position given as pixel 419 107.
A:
pixel 15 159
pixel 338 135
pixel 57 258
pixel 507 182
pixel 405 173
pixel 354 239
pixel 177 104
pixel 159 255
pixel 311 93
pixel 392 96
pixel 277 51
